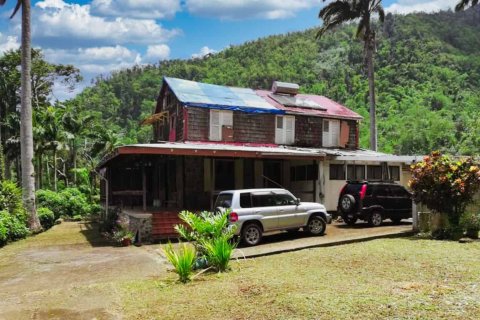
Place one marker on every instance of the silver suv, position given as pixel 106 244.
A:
pixel 255 211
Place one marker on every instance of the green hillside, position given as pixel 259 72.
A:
pixel 427 77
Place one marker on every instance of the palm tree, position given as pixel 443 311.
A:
pixel 26 130
pixel 465 3
pixel 342 11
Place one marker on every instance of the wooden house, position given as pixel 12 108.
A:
pixel 209 138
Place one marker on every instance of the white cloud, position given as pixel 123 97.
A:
pixel 157 52
pixel 244 9
pixel 144 9
pixel 95 60
pixel 408 6
pixel 8 43
pixel 203 52
pixel 62 21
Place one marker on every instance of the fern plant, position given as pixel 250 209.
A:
pixel 182 260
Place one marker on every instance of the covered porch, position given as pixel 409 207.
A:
pixel 156 181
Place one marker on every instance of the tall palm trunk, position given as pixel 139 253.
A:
pixel 26 132
pixel 369 49
pixel 55 169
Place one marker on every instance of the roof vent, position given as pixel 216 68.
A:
pixel 279 87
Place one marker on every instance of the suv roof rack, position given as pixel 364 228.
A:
pixel 371 181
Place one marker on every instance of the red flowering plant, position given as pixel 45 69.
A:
pixel 445 184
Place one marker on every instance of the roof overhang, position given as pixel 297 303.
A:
pixel 215 150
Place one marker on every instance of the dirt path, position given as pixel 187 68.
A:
pixel 69 272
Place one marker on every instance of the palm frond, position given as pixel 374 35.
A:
pixel 336 13
pixel 381 13
pixel 17 7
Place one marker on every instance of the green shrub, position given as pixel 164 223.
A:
pixel 11 199
pixel 11 228
pixel 51 200
pixel 182 260
pixel 47 218
pixel 69 202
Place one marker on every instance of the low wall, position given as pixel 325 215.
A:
pixel 140 224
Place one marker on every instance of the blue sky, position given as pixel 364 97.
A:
pixel 100 36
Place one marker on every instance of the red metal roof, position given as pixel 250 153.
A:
pixel 333 109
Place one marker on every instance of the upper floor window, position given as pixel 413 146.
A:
pixel 219 119
pixel 284 129
pixel 331 133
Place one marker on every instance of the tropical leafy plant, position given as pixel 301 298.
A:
pixel 182 260
pixel 211 235
pixel 445 184
pixel 218 251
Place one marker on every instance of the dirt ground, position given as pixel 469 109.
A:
pixel 69 272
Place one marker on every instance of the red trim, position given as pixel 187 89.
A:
pixel 185 124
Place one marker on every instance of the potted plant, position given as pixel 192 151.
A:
pixel 124 237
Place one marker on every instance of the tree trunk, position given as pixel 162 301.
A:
pixel 369 48
pixel 26 132
pixel 55 169
pixel 40 170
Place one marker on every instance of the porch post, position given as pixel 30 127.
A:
pixel 144 188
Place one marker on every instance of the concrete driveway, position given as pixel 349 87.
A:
pixel 336 234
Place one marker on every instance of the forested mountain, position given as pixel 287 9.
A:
pixel 427 77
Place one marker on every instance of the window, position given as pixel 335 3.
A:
pixel 285 130
pixel 218 119
pixel 224 200
pixel 245 200
pixel 337 172
pixel 398 191
pixel 374 172
pixel 331 133
pixel 304 173
pixel 284 199
pixel 263 200
pixel 394 173
pixel 355 172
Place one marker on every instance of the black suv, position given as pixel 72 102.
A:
pixel 373 202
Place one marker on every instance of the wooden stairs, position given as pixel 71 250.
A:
pixel 163 224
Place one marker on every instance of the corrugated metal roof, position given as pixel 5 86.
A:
pixel 331 108
pixel 263 149
pixel 204 95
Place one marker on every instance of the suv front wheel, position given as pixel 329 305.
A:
pixel 375 219
pixel 316 226
pixel 252 234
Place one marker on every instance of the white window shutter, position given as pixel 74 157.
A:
pixel 215 125
pixel 334 133
pixel 289 130
pixel 326 134
pixel 227 118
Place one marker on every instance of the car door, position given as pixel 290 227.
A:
pixel 264 205
pixel 382 198
pixel 287 211
pixel 404 201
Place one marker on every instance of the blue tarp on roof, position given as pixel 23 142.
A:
pixel 204 95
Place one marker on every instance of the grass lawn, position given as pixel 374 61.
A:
pixel 394 278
